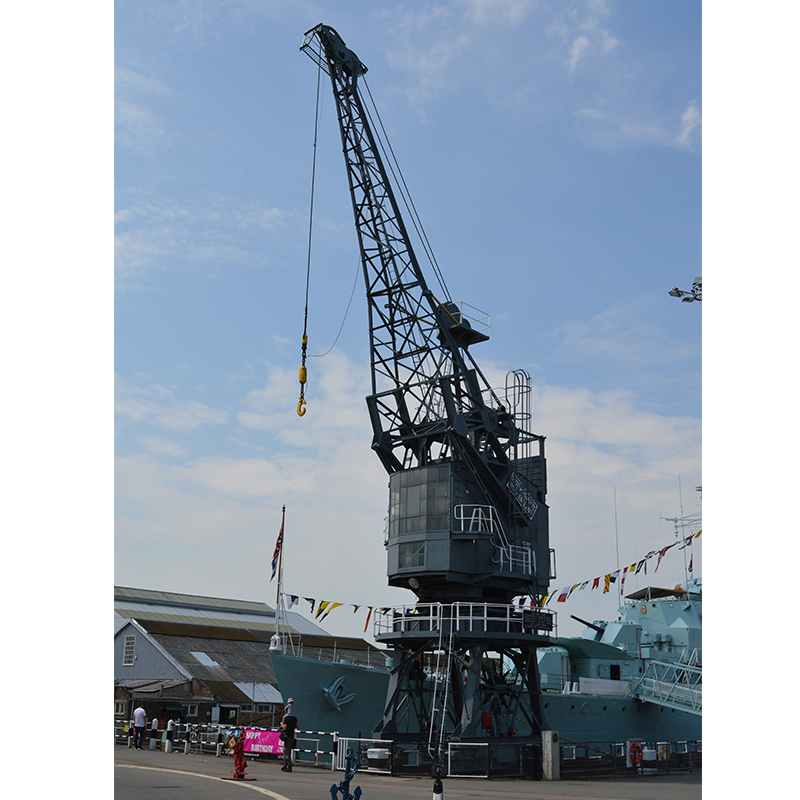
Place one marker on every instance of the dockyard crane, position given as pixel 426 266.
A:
pixel 468 518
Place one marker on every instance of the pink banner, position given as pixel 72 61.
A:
pixel 262 742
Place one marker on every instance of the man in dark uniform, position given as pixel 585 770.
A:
pixel 289 728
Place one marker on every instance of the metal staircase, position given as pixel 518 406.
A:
pixel 670 684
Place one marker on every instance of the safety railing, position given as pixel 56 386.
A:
pixel 313 748
pixel 456 759
pixel 475 518
pixel 463 618
pixel 615 759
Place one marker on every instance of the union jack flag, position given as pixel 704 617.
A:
pixel 277 553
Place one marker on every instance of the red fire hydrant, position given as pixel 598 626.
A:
pixel 239 761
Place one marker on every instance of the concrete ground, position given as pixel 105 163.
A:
pixel 194 777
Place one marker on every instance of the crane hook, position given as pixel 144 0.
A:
pixel 303 378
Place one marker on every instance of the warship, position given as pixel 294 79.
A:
pixel 638 677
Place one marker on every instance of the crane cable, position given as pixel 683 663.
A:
pixel 304 342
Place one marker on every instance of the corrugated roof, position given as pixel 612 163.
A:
pixel 242 659
pixel 145 604
pixel 191 600
pixel 205 631
pixel 260 692
pixel 227 692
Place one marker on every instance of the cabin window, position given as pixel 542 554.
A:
pixel 129 651
pixel 419 500
pixel 411 555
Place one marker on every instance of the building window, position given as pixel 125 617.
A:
pixel 246 707
pixel 411 555
pixel 119 708
pixel 129 651
pixel 191 711
pixel 262 708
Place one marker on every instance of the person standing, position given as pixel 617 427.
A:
pixel 139 722
pixel 289 728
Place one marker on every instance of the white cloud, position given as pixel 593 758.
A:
pixel 614 336
pixel 598 444
pixel 486 11
pixel 158 406
pixel 159 233
pixel 161 446
pixel 138 125
pixel 577 50
pixel 690 122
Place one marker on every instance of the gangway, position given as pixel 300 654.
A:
pixel 671 684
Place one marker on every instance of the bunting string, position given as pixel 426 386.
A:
pixel 562 595
pixel 320 609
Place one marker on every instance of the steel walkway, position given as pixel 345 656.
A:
pixel 672 685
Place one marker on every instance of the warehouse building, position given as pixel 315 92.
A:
pixel 200 659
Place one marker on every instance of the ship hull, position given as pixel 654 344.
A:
pixel 318 687
pixel 332 696
pixel 602 718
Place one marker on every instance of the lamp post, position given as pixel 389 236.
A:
pixel 695 294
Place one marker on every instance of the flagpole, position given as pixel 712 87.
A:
pixel 280 555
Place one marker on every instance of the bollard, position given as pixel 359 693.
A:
pixel 551 756
pixel 170 733
pixel 438 791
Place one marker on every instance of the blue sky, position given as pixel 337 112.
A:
pixel 553 152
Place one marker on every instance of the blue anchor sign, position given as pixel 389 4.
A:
pixel 335 695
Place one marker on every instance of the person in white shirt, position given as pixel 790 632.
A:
pixel 139 722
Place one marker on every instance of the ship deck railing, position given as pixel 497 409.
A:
pixel 464 619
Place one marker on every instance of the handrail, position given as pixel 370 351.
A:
pixel 462 617
pixel 484 519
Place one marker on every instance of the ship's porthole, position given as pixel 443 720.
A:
pixel 605 707
pixel 623 708
pixel 572 708
pixel 585 708
pixel 547 705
